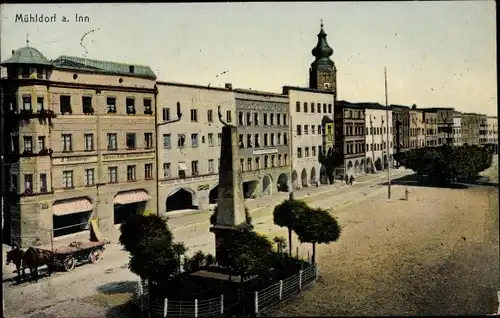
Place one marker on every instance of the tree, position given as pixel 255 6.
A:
pixel 331 160
pixel 317 226
pixel 179 250
pixel 285 215
pixel 281 242
pixel 138 226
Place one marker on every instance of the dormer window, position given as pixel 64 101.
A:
pixel 25 72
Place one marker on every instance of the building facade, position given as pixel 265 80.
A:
pixel 189 147
pixel 444 126
pixel 311 116
pixel 81 144
pixel 483 129
pixel 492 138
pixel 350 137
pixel 263 131
pixel 431 135
pixel 470 128
pixel 417 128
pixel 401 127
pixel 457 129
pixel 377 136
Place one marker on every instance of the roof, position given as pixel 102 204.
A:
pixel 261 93
pixel 363 105
pixel 27 55
pixel 160 83
pixel 400 106
pixel 435 109
pixel 103 67
pixel 306 89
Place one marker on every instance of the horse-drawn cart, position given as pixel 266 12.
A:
pixel 76 253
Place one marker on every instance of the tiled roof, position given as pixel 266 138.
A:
pixel 104 67
pixel 27 55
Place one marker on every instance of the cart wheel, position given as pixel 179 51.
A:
pixel 69 263
pixel 95 256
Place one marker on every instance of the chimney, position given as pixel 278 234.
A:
pixel 131 69
pixel 229 86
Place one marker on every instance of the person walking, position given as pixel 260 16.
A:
pixel 346 179
pixel 351 179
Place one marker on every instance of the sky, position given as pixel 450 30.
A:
pixel 437 53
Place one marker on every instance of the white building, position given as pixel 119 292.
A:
pixel 376 137
pixel 492 137
pixel 457 129
pixel 308 109
pixel 189 149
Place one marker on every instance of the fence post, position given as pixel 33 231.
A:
pixel 256 300
pixel 297 249
pixel 165 307
pixel 196 308
pixel 281 288
pixel 300 280
pixel 222 303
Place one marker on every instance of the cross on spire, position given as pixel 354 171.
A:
pixel 27 39
pixel 322 23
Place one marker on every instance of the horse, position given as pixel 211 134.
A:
pixel 34 258
pixel 16 255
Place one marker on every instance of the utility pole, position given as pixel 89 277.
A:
pixel 388 142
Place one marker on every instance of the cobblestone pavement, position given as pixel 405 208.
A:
pixel 71 294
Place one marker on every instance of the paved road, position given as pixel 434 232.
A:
pixel 50 295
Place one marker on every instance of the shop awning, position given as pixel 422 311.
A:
pixel 131 197
pixel 71 207
pixel 182 166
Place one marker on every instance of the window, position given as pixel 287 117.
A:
pixel 147 106
pixel 165 113
pixel 28 144
pixel 242 164
pixel 111 104
pixel 240 118
pixel 278 119
pixel 249 141
pixel 279 139
pixel 306 151
pixel 210 139
pixel 265 119
pixel 313 151
pixel 210 116
pixel 249 119
pixel 194 115
pixel 330 108
pixel 249 164
pixel 65 104
pixel 312 107
pixel 181 172
pixel 181 140
pixel 25 72
pixel 319 108
pixel 131 173
pixel 273 158
pixel 68 179
pixel 284 120
pixel 305 107
pixel 285 138
pixel 28 183
pixel 27 102
pixel 219 139
pixel 240 141
pixel 320 131
pixel 89 177
pixel 324 108
pixel 130 104
pixel 194 168
pixel 211 166
pixel 194 140
pixel 256 119
pixel 41 143
pixel 112 145
pixel 257 163
pixel 130 140
pixel 266 143
pixel 113 174
pixel 306 129
pixel 167 173
pixel 148 171
pixel 297 107
pixel 148 140
pixel 87 105
pixel 299 152
pixel 167 141
pixel 272 119
pixel 272 139
pixel 299 130
pixel 256 140
pixel 66 143
pixel 279 161
pixel 43 182
pixel 39 103
pixel 228 116
pixel 266 162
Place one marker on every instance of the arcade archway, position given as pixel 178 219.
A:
pixel 282 183
pixel 304 177
pixel 213 195
pixel 266 185
pixel 180 199
pixel 313 176
pixel 295 179
pixel 323 177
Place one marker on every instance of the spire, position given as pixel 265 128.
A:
pixel 322 49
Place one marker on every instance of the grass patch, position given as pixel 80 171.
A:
pixel 107 300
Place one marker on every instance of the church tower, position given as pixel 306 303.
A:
pixel 323 73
